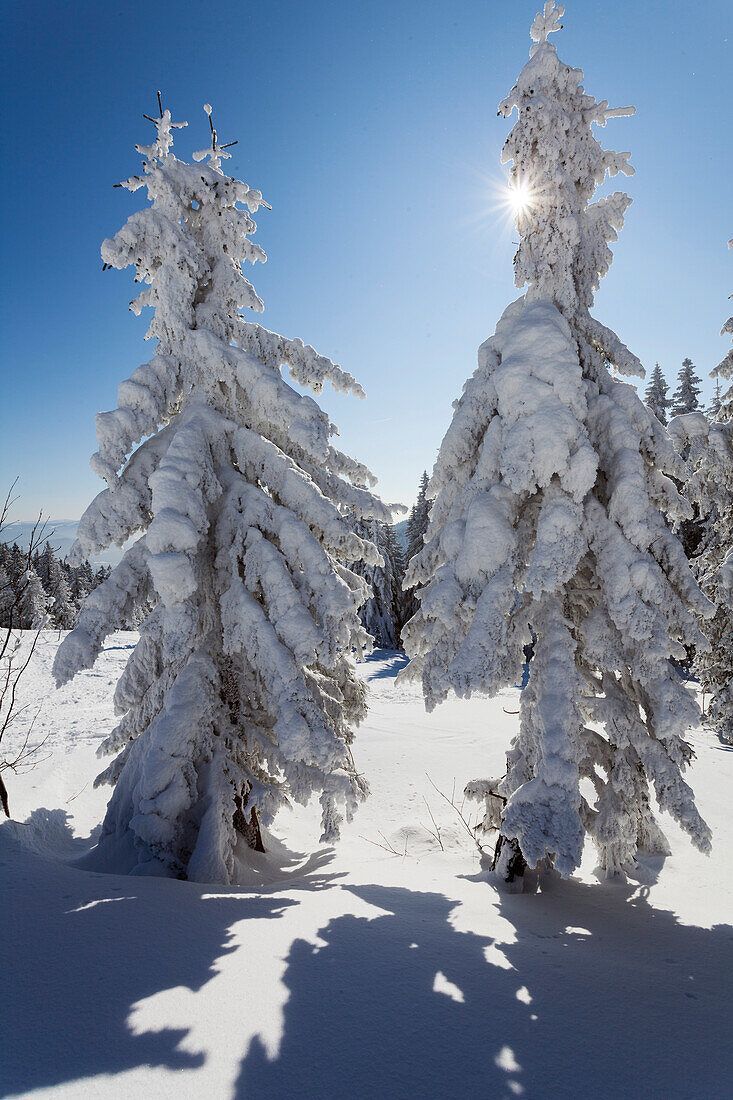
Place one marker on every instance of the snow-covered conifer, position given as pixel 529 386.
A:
pixel 716 402
pixel 6 596
pixel 47 568
pixel 32 600
pixel 416 529
pixel 18 562
pixel 724 369
pixel 417 523
pixel 6 558
pixel 550 492
pixel 7 590
pixel 381 615
pixel 82 581
pixel 241 692
pixel 62 607
pixel 686 398
pixel 656 394
pixel 708 452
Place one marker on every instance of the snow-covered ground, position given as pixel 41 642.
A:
pixel 386 967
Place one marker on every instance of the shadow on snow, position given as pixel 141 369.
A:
pixel 394 660
pixel 626 1002
pixel 623 1002
pixel 79 950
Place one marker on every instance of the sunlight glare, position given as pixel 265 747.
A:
pixel 519 197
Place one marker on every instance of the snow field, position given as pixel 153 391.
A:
pixel 350 971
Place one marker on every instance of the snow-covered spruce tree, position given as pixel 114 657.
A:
pixel 417 526
pixel 548 517
pixel 686 398
pixel 241 692
pixel 716 402
pixel 62 608
pixel 47 568
pixel 724 369
pixel 381 615
pixel 708 451
pixel 83 581
pixel 417 523
pixel 32 601
pixel 656 394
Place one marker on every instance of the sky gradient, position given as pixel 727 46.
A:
pixel 371 128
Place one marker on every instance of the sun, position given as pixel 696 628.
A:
pixel 506 200
pixel 519 197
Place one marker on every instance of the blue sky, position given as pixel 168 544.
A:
pixel 371 128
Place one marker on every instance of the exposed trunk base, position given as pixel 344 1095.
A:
pixel 509 863
pixel 249 830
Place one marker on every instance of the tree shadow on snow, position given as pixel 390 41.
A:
pixel 79 949
pixel 396 658
pixel 600 994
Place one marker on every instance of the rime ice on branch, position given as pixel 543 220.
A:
pixel 551 488
pixel 241 692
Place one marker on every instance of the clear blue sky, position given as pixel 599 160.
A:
pixel 371 128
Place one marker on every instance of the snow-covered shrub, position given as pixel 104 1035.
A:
pixel 241 692
pixel 550 491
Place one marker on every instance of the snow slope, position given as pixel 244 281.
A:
pixel 355 972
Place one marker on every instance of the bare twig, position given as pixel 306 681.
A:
pixel 68 800
pixel 435 831
pixel 13 663
pixel 387 846
pixel 470 829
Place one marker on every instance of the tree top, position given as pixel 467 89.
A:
pixel 545 22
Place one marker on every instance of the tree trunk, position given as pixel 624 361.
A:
pixel 509 862
pixel 248 829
